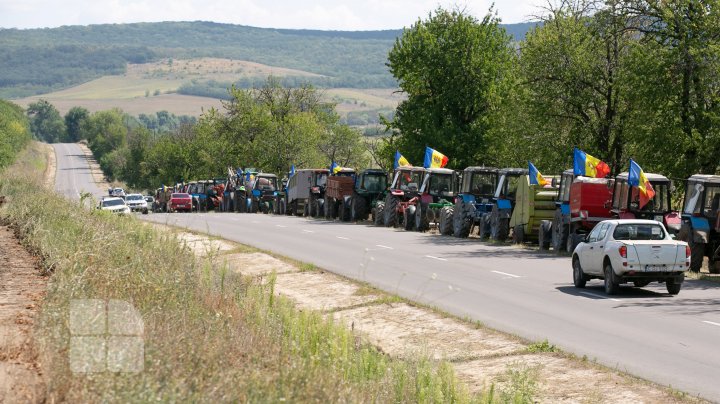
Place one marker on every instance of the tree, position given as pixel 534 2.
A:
pixel 452 68
pixel 45 121
pixel 73 121
pixel 14 131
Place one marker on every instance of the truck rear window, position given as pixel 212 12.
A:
pixel 639 232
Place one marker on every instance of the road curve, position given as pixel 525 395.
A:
pixel 671 340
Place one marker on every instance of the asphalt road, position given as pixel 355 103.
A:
pixel 671 340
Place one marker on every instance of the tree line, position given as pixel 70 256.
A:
pixel 14 132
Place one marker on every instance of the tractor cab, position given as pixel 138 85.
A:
pixel 701 221
pixel 371 181
pixel 319 180
pixel 439 183
pixel 508 183
pixel 497 220
pixel 262 194
pixel 626 202
pixel 474 199
pixel 480 182
pixel 566 179
pixel 407 180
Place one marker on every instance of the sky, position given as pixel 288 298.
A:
pixel 347 15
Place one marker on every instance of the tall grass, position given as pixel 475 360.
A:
pixel 209 335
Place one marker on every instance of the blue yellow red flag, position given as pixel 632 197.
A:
pixel 535 177
pixel 589 166
pixel 637 178
pixel 400 160
pixel 434 159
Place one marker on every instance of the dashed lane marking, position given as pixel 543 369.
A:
pixel 507 274
pixel 712 323
pixel 595 295
pixel 308 231
pixel 342 238
pixel 280 225
pixel 384 246
pixel 436 258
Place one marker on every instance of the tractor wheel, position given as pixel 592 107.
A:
pixel 328 208
pixel 254 206
pixel 446 220
pixel 282 206
pixel 697 254
pixel 714 263
pixel 572 241
pixel 312 203
pixel 484 227
pixel 544 235
pixel 242 202
pixel 421 220
pixel 358 208
pixel 379 214
pixel 559 232
pixel 409 216
pixel 462 222
pixel 518 234
pixel 390 211
pixel 344 211
pixel 265 207
pixel 499 228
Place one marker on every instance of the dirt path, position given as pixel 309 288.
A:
pixel 21 291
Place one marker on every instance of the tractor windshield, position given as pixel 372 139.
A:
pixel 441 184
pixel 510 184
pixel 712 200
pixel 660 202
pixel 375 183
pixel 483 184
pixel 266 184
pixel 409 180
pixel 320 179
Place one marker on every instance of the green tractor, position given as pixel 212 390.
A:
pixel 370 188
pixel 263 191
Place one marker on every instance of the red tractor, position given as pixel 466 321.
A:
pixel 405 187
pixel 626 202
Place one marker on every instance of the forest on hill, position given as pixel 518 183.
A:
pixel 37 61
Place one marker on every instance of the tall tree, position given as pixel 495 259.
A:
pixel 73 121
pixel 45 121
pixel 452 68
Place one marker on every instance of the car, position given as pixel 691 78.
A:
pixel 137 203
pixel 114 204
pixel 150 202
pixel 180 202
pixel 117 192
pixel 630 250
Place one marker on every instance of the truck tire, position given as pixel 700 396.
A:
pixel 390 212
pixel 421 220
pixel 579 279
pixel 559 232
pixel 446 220
pixel 673 286
pixel 697 254
pixel 344 211
pixel 612 286
pixel 409 216
pixel 462 221
pixel 379 214
pixel 545 235
pixel 518 234
pixel 358 208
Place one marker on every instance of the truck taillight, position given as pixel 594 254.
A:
pixel 623 251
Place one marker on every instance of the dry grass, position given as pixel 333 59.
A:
pixel 209 335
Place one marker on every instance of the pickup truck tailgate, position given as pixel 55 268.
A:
pixel 659 254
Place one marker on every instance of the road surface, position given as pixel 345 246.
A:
pixel 671 340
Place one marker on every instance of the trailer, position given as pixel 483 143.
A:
pixel 303 191
pixel 533 205
pixel 337 192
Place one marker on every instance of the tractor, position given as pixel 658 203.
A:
pixel 472 202
pixel 339 186
pixel 304 192
pixel 626 202
pixel 497 220
pixel 351 198
pixel 534 206
pixel 437 191
pixel 700 226
pixel 279 207
pixel 404 187
pixel 263 190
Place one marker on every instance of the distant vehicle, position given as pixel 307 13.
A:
pixel 150 201
pixel 631 250
pixel 114 205
pixel 116 192
pixel 137 203
pixel 180 202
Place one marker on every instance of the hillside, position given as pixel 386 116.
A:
pixel 38 61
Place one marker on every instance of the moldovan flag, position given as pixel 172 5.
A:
pixel 292 170
pixel 637 178
pixel 535 177
pixel 434 159
pixel 589 166
pixel 400 160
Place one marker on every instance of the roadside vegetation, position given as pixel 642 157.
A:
pixel 14 132
pixel 209 335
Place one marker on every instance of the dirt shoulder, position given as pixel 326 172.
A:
pixel 22 288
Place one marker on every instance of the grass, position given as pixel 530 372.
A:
pixel 209 335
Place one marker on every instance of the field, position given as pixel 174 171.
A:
pixel 151 87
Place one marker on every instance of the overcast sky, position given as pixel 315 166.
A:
pixel 311 14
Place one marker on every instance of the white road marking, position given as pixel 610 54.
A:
pixel 308 231
pixel 599 296
pixel 342 238
pixel 712 322
pixel 384 246
pixel 254 221
pixel 507 274
pixel 278 225
pixel 436 258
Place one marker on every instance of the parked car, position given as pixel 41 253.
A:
pixel 150 202
pixel 114 204
pixel 180 202
pixel 137 203
pixel 630 250
pixel 116 192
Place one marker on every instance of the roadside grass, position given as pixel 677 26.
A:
pixel 209 335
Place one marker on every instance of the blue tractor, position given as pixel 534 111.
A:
pixel 700 226
pixel 497 220
pixel 477 189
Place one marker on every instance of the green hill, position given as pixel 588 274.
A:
pixel 37 61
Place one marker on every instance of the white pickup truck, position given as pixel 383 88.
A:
pixel 637 251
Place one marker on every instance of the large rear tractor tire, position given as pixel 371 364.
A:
pixel 573 240
pixel 344 211
pixel 390 211
pixel 312 205
pixel 446 220
pixel 484 227
pixel 499 227
pixel 329 208
pixel 697 254
pixel 421 220
pixel 358 208
pixel 409 218
pixel 518 234
pixel 559 232
pixel 378 214
pixel 545 235
pixel 462 221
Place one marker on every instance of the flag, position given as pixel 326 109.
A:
pixel 589 166
pixel 292 170
pixel 334 168
pixel 535 177
pixel 400 160
pixel 434 159
pixel 637 178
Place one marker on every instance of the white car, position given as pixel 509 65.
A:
pixel 137 203
pixel 115 205
pixel 629 250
